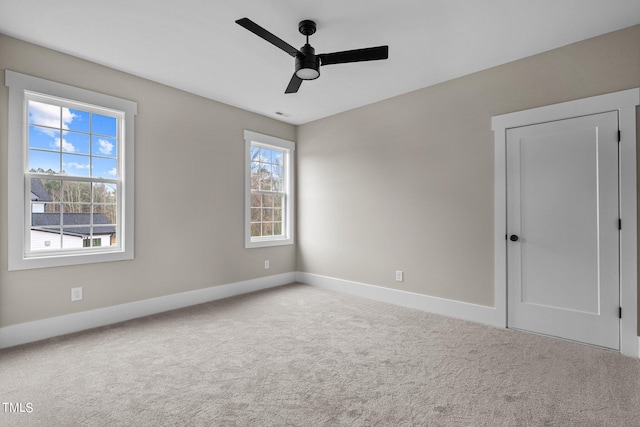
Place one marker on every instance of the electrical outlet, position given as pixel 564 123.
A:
pixel 399 276
pixel 76 294
pixel 266 264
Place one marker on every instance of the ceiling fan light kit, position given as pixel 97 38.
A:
pixel 307 65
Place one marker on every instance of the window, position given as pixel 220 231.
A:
pixel 70 174
pixel 269 190
pixel 87 243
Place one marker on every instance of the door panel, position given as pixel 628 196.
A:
pixel 562 203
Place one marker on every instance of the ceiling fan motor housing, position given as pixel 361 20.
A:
pixel 307 64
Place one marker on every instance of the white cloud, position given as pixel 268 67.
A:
pixel 49 115
pixel 75 165
pixel 113 172
pixel 67 118
pixel 66 145
pixel 105 147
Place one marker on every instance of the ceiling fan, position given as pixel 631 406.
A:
pixel 307 62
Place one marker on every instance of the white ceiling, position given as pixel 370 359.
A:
pixel 195 45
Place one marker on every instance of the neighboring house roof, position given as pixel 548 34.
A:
pixel 38 192
pixel 48 222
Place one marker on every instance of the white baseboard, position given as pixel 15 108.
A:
pixel 47 328
pixel 447 307
pixel 41 329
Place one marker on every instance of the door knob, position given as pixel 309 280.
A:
pixel 514 238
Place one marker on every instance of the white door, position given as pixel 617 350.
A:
pixel 563 229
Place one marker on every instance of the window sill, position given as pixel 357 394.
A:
pixel 263 243
pixel 61 260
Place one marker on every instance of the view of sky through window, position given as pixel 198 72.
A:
pixel 71 142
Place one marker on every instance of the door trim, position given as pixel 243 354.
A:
pixel 625 103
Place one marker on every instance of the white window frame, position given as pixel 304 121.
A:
pixel 257 139
pixel 20 87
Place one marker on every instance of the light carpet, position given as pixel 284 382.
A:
pixel 302 356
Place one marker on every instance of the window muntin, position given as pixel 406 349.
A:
pixel 269 191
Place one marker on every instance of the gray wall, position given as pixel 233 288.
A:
pixel 189 196
pixel 407 183
pixel 403 184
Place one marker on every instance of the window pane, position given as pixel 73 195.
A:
pixel 104 125
pixel 50 189
pixel 76 192
pixel 276 171
pixel 104 146
pixel 75 221
pixel 267 201
pixel 45 238
pixel 71 239
pixel 277 214
pixel 256 200
pixel 276 158
pixel 45 220
pixel 277 229
pixel 104 193
pixel 255 178
pixel 265 178
pixel 267 229
pixel 74 142
pixel 105 168
pixel 75 165
pixel 44 162
pixel 255 215
pixel 109 212
pixel 255 230
pixel 80 120
pixel 44 114
pixel 268 155
pixel 265 184
pixel 45 138
pixel 101 218
pixel 107 235
pixel 267 214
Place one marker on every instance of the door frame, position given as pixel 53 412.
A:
pixel 624 102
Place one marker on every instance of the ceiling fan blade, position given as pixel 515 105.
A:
pixel 357 55
pixel 261 32
pixel 294 84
